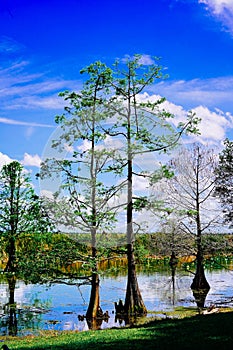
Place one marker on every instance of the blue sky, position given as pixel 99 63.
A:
pixel 45 43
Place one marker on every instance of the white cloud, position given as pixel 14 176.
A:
pixel 222 9
pixel 85 146
pixel 47 194
pixel 146 60
pixel 113 143
pixel 213 125
pixel 4 159
pixel 218 6
pixel 140 184
pixel 31 160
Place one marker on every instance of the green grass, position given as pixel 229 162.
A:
pixel 200 332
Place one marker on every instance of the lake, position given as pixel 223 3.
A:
pixel 57 307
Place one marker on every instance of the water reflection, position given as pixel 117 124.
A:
pixel 173 262
pixel 200 297
pixel 14 318
pixel 27 308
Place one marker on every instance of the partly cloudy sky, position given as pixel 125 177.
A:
pixel 44 44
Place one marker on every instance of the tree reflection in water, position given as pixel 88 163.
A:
pixel 200 297
pixel 14 319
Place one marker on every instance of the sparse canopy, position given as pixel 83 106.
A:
pixel 190 199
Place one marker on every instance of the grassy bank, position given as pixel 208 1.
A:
pixel 200 332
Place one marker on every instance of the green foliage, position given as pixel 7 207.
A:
pixel 224 180
pixel 22 215
pixel 109 124
pixel 164 172
pixel 191 125
pixel 214 244
pixel 142 247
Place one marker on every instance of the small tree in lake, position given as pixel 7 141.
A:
pixel 21 214
pixel 114 126
pixel 82 202
pixel 189 196
pixel 141 127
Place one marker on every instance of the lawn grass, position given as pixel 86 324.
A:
pixel 199 332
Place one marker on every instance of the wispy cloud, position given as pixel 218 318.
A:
pixel 214 92
pixel 9 45
pixel 23 89
pixel 221 9
pixel 22 123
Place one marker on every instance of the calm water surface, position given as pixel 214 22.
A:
pixel 57 307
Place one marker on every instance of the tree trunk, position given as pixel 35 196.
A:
pixel 134 304
pixel 10 266
pixel 94 303
pixel 200 281
pixel 133 300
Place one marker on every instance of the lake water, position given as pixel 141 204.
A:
pixel 57 307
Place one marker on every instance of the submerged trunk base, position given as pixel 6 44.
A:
pixel 94 303
pixel 200 282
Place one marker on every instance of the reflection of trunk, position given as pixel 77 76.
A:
pixel 12 327
pixel 94 323
pixel 200 286
pixel 173 269
pixel 12 320
pixel 94 303
pixel 11 285
pixel 200 296
pixel 173 264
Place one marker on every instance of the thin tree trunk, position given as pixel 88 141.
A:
pixel 199 281
pixel 94 303
pixel 133 300
pixel 10 265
